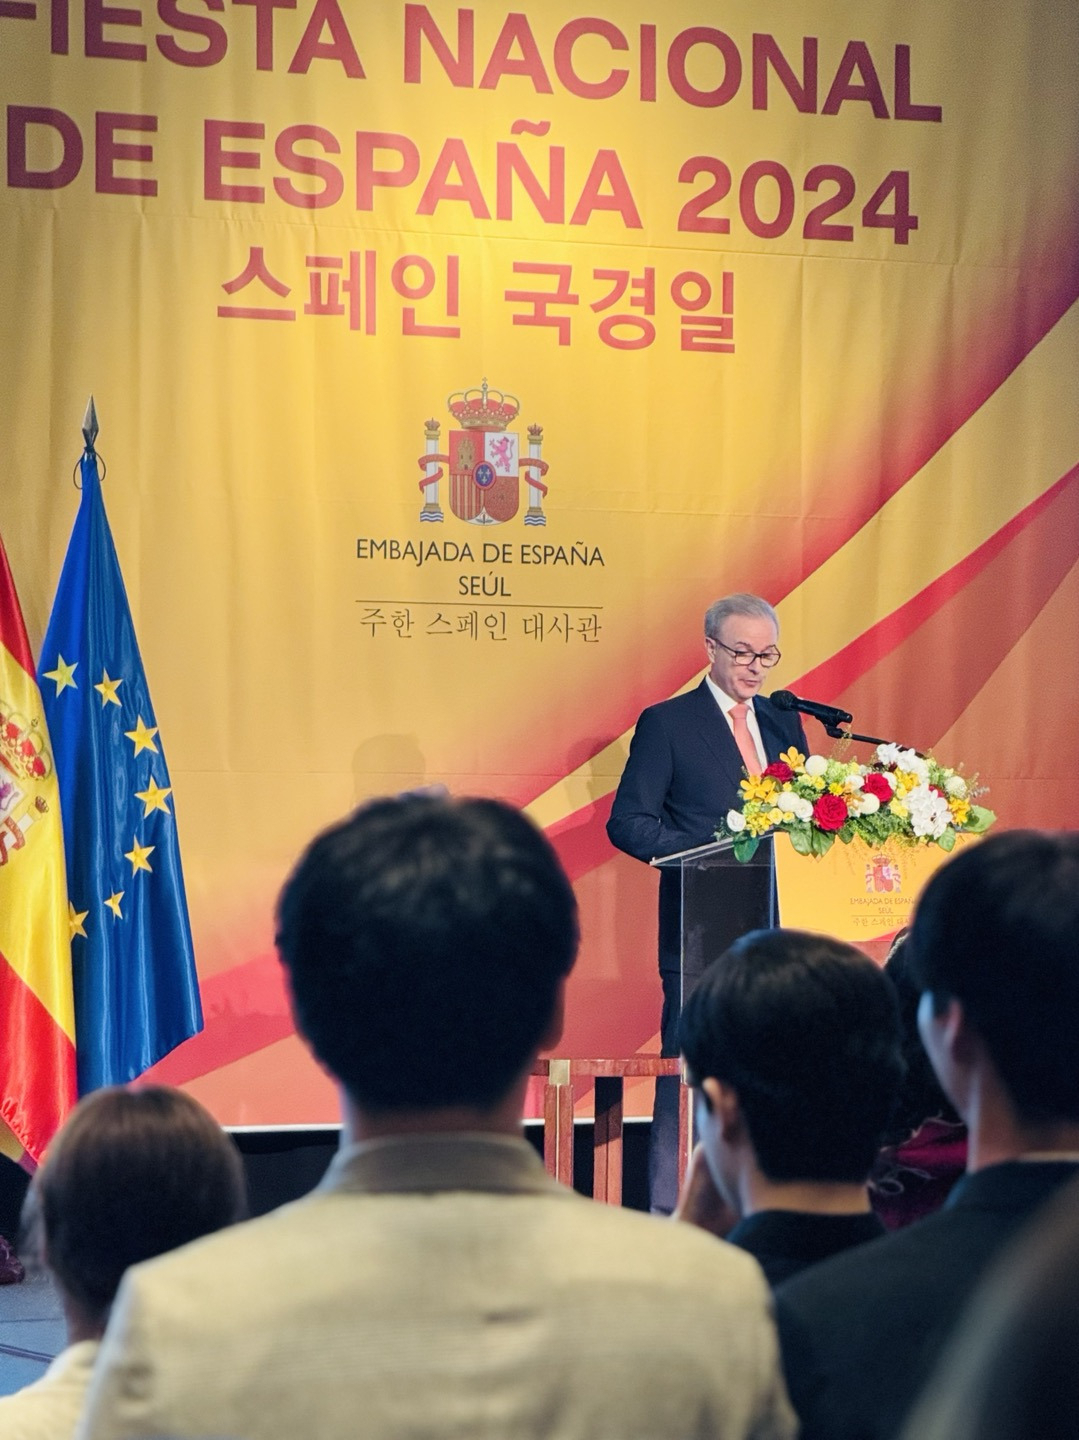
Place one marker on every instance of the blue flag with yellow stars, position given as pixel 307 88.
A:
pixel 136 992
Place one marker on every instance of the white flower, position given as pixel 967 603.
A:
pixel 816 765
pixel 929 814
pixel 736 821
pixel 855 782
pixel 887 754
pixel 788 802
pixel 864 804
pixel 804 810
pixel 913 764
pixel 956 786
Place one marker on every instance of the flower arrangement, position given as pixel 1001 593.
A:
pixel 901 796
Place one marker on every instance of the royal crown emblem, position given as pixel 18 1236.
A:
pixel 484 460
pixel 483 408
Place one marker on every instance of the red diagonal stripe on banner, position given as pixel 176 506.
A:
pixel 968 370
pixel 244 1009
pixel 33 1107
pixel 580 839
pixel 947 640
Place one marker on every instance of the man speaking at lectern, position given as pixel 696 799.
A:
pixel 686 761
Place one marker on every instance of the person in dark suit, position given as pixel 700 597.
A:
pixel 995 949
pixel 793 1047
pixel 1010 1368
pixel 686 761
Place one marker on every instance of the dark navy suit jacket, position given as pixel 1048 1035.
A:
pixel 683 772
pixel 681 778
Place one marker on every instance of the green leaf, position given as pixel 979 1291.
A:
pixel 946 841
pixel 822 841
pixel 801 839
pixel 745 847
pixel 979 820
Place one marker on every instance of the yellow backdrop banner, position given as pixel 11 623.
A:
pixel 451 360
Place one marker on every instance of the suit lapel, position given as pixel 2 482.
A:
pixel 773 740
pixel 718 736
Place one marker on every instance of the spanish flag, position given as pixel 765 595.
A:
pixel 37 1020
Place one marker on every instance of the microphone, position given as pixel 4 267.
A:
pixel 828 715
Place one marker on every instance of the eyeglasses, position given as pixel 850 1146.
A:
pixel 768 657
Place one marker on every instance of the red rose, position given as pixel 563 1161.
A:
pixel 830 812
pixel 875 784
pixel 781 771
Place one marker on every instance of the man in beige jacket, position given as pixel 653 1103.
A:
pixel 438 1283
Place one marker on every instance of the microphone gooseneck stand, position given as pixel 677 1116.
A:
pixel 837 733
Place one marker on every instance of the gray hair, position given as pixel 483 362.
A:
pixel 721 610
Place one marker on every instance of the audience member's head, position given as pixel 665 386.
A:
pixel 995 945
pixel 1010 1373
pixel 920 1097
pixel 130 1175
pixel 795 1037
pixel 426 941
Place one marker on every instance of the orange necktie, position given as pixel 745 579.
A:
pixel 743 739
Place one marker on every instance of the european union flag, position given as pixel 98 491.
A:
pixel 136 992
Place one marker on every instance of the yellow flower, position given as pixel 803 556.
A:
pixel 905 781
pixel 776 816
pixel 838 787
pixel 960 810
pixel 817 781
pixel 898 808
pixel 760 787
pixel 758 823
pixel 794 758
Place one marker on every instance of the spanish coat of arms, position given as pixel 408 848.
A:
pixel 485 462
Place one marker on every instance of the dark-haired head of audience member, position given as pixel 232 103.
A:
pixel 427 941
pixel 130 1175
pixel 921 1097
pixel 793 1038
pixel 995 947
